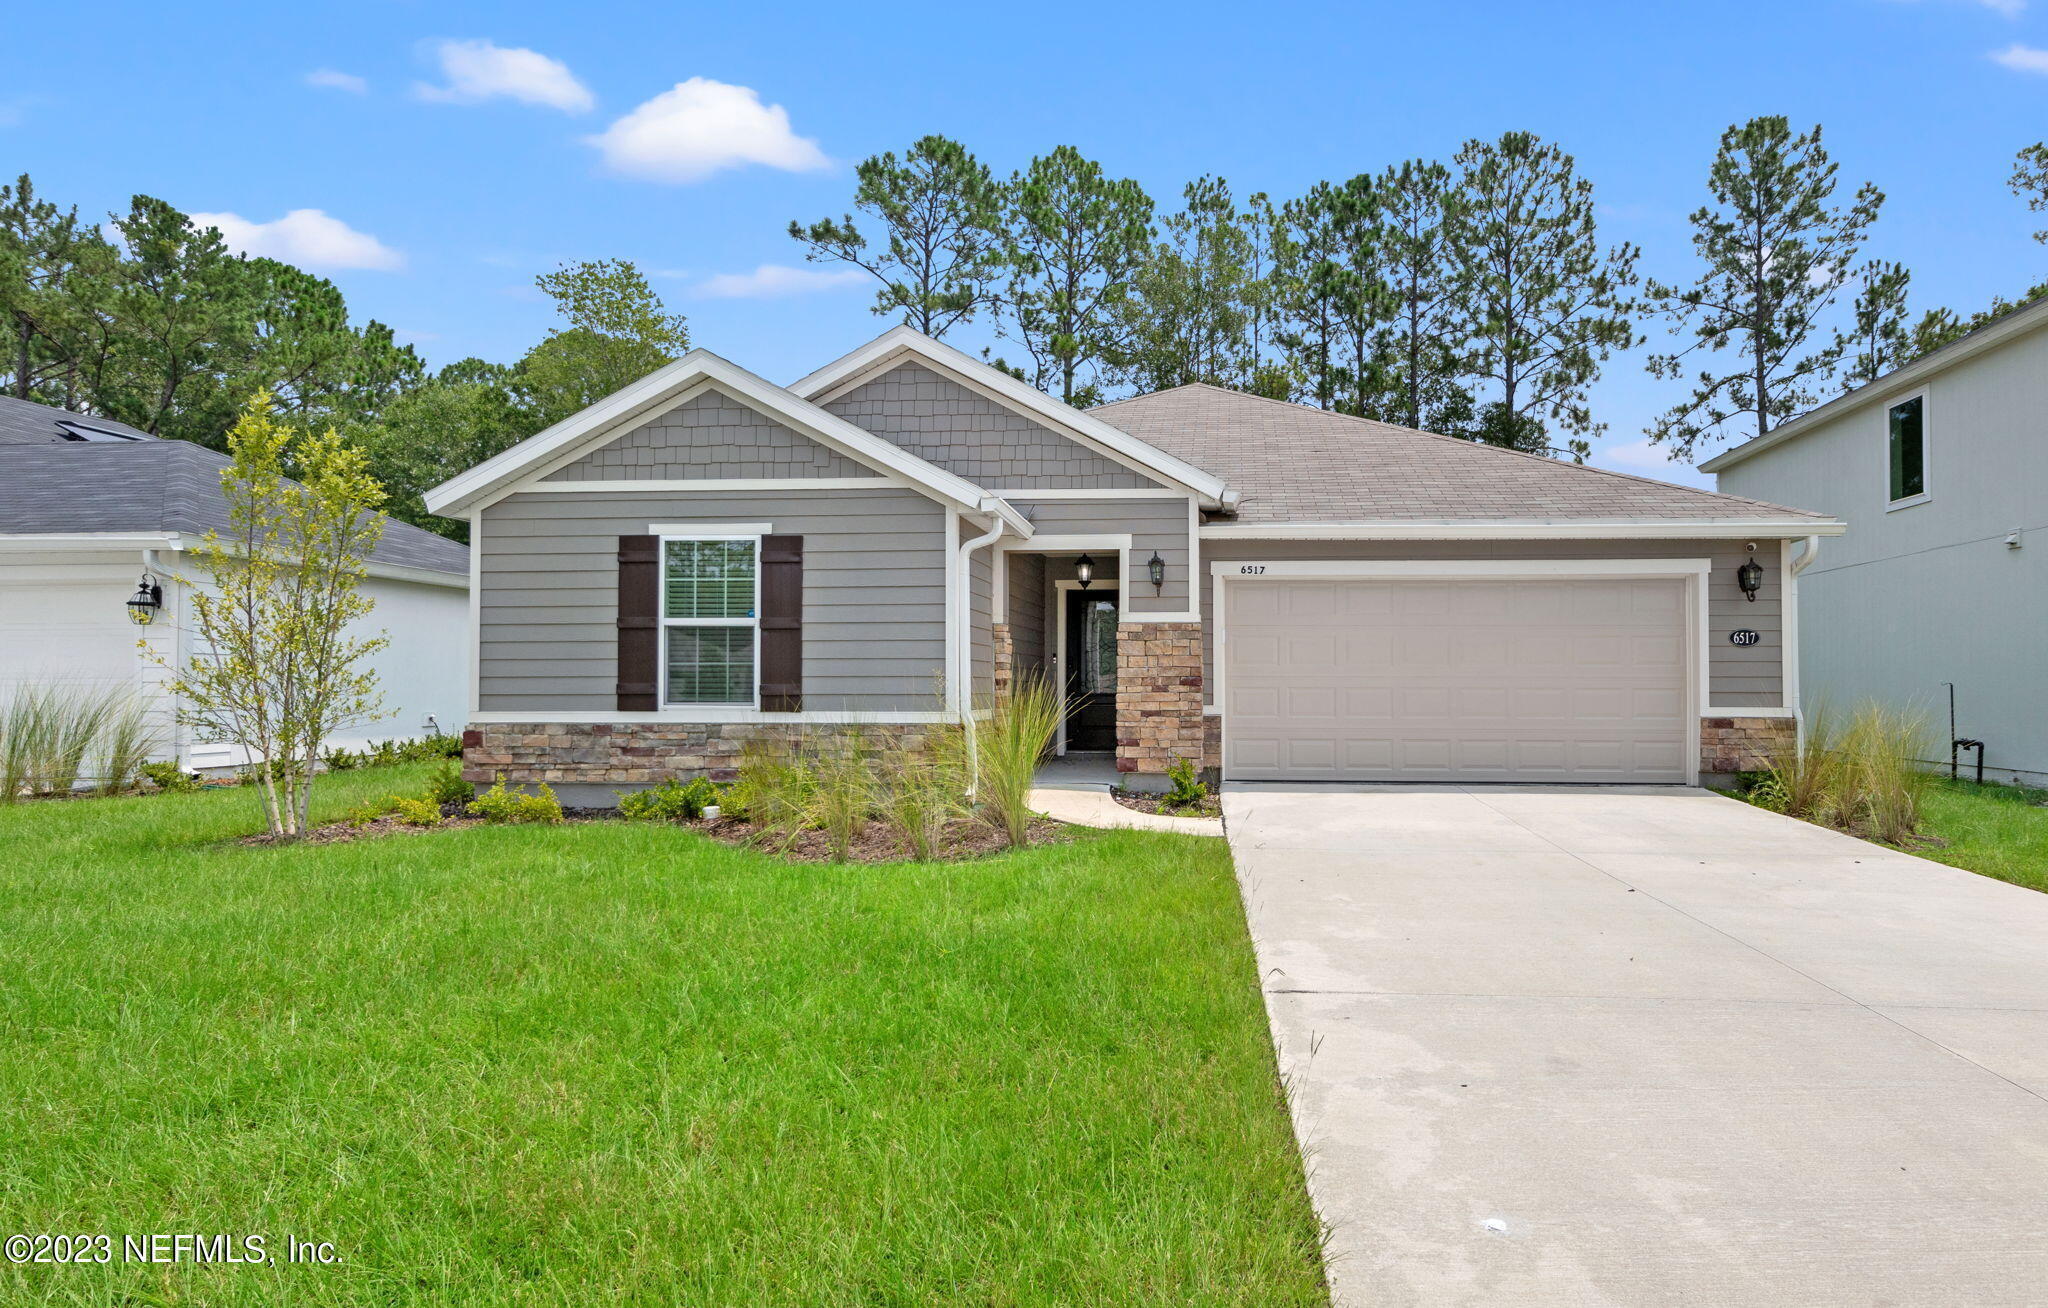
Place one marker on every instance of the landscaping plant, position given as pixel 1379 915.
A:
pixel 1009 748
pixel 501 805
pixel 286 589
pixel 170 777
pixel 843 790
pixel 1865 778
pixel 1185 789
pixel 921 788
pixel 773 789
pixel 415 811
pixel 674 800
pixel 49 733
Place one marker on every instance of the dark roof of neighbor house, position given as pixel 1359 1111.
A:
pixel 1293 463
pixel 55 483
pixel 23 422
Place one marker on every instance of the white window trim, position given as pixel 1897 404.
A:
pixel 1926 493
pixel 749 532
pixel 1693 572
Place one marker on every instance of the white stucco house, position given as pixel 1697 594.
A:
pixel 1940 468
pixel 88 506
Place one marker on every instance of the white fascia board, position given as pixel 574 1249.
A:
pixel 1452 569
pixel 662 385
pixel 1667 529
pixel 87 540
pixel 903 340
pixel 1905 379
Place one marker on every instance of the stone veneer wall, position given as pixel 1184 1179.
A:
pixel 1743 744
pixel 629 754
pixel 1004 646
pixel 1158 696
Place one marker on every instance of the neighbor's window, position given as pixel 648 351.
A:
pixel 1909 449
pixel 708 614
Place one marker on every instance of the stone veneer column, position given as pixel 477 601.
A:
pixel 1004 647
pixel 1729 745
pixel 1159 696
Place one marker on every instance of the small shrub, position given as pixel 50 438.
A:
pixel 1009 749
pixel 339 759
pixel 441 745
pixel 250 776
pixel 501 805
pixel 168 777
pixel 446 786
pixel 1767 791
pixel 364 814
pixel 418 811
pixel 673 800
pixel 1185 789
pixel 386 752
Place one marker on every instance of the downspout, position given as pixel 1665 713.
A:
pixel 964 693
pixel 1799 565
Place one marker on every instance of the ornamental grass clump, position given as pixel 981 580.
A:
pixel 924 789
pixel 1008 750
pixel 774 788
pixel 53 736
pixel 1864 778
pixel 843 788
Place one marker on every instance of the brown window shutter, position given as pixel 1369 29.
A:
pixel 639 622
pixel 782 624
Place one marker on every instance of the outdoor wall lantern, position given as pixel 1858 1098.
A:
pixel 146 602
pixel 1750 576
pixel 1084 568
pixel 1156 566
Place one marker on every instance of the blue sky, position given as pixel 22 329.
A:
pixel 452 151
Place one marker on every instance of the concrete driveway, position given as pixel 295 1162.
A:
pixel 1648 1046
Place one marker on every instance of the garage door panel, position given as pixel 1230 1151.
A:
pixel 1571 680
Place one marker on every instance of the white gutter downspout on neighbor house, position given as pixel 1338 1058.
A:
pixel 1795 702
pixel 964 692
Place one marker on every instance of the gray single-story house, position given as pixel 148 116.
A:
pixel 1272 591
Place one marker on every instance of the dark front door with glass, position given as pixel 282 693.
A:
pixel 1091 670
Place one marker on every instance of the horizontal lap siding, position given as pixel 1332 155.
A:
pixel 874 593
pixel 1152 524
pixel 1738 676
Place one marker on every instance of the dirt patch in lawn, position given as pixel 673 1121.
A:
pixel 1210 806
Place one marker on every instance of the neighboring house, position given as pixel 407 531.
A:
pixel 1276 592
pixel 1940 468
pixel 87 506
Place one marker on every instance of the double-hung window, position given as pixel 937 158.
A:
pixel 710 618
pixel 1909 449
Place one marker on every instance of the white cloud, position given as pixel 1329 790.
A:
pixel 1636 456
pixel 773 281
pixel 480 70
pixel 2023 59
pixel 2006 8
pixel 306 237
pixel 328 79
pixel 701 126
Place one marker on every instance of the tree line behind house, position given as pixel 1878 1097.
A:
pixel 1472 297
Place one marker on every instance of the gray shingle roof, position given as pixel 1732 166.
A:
pixel 56 485
pixel 1297 464
pixel 23 422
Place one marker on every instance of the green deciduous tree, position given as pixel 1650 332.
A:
pixel 281 669
pixel 942 212
pixel 618 331
pixel 1776 253
pixel 1074 240
pixel 1544 304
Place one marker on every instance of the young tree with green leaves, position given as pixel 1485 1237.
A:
pixel 1420 351
pixel 282 669
pixel 942 212
pixel 1776 253
pixel 618 331
pixel 1879 339
pixel 1544 304
pixel 1074 240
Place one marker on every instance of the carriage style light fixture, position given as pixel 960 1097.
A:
pixel 1156 566
pixel 1084 568
pixel 1750 576
pixel 146 602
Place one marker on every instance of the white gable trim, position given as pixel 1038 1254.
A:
pixel 542 453
pixel 892 346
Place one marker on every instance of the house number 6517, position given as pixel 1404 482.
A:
pixel 1251 569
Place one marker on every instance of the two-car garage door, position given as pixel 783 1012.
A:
pixel 1569 680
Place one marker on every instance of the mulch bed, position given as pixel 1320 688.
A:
pixel 878 842
pixel 1210 807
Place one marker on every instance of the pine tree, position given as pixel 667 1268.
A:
pixel 2029 180
pixel 941 209
pixel 1194 300
pixel 1544 305
pixel 1879 340
pixel 1776 255
pixel 1421 349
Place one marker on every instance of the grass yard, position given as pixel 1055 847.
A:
pixel 2001 831
pixel 622 1064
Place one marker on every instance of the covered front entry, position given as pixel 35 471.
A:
pixel 1551 678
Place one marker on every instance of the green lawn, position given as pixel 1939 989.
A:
pixel 621 1064
pixel 2001 831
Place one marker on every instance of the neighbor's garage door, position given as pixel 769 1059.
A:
pixel 1579 681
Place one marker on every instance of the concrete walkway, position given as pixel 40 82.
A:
pixel 1095 808
pixel 1613 1046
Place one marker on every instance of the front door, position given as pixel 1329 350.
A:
pixel 1091 670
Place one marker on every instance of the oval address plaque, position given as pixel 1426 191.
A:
pixel 1743 637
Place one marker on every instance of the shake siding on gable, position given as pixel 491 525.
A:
pixel 874 593
pixel 709 437
pixel 1738 676
pixel 974 437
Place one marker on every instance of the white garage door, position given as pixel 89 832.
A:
pixel 69 633
pixel 1532 681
